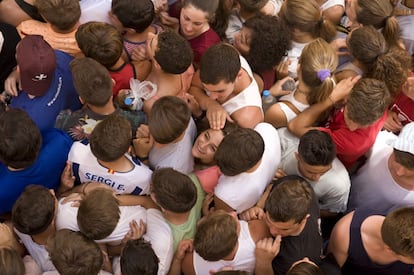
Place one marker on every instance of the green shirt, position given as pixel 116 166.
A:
pixel 187 230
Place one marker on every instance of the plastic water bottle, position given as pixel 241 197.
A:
pixel 267 100
pixel 133 102
pixel 140 90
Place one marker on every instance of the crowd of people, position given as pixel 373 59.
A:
pixel 134 138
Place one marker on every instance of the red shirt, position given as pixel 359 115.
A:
pixel 121 77
pixel 403 106
pixel 201 43
pixel 351 145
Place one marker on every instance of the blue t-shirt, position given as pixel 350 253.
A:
pixel 45 171
pixel 60 96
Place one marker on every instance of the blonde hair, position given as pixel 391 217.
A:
pixel 306 16
pixel 318 62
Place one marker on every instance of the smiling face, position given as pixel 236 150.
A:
pixel 206 144
pixel 193 22
pixel 242 40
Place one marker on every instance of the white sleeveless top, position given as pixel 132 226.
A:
pixel 248 97
pixel 243 260
pixel 289 113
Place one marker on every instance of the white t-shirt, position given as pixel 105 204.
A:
pixel 158 233
pixel 37 251
pixel 248 97
pixel 373 185
pixel 85 168
pixel 176 155
pixel 95 10
pixel 243 260
pixel 332 189
pixel 242 191
pixel 67 218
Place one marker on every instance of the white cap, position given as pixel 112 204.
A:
pixel 405 140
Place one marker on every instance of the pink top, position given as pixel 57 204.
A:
pixel 208 178
pixel 121 77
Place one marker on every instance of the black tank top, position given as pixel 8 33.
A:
pixel 358 262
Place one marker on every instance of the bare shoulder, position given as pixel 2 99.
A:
pixel 339 241
pixel 276 116
pixel 258 230
pixel 248 117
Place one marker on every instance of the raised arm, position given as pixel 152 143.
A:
pixel 305 120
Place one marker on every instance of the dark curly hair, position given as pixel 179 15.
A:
pixel 270 41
